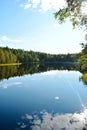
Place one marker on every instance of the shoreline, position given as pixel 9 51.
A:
pixel 10 64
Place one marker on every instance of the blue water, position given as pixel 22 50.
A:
pixel 41 101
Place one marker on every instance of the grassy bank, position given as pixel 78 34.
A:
pixel 10 64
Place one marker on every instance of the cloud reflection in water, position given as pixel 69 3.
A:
pixel 49 121
pixel 6 85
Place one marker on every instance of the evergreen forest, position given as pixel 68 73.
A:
pixel 9 56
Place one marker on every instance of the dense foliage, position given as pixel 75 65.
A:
pixel 74 11
pixel 84 78
pixel 83 59
pixel 8 55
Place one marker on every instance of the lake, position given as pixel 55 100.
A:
pixel 42 97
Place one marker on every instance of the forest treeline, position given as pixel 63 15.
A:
pixel 8 55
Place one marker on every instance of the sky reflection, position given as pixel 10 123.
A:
pixel 6 85
pixel 53 100
pixel 49 121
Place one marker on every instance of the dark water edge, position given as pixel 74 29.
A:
pixel 26 68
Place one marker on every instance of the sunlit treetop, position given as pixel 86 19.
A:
pixel 76 11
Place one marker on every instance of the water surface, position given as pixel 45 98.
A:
pixel 51 99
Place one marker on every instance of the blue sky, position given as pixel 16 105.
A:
pixel 30 25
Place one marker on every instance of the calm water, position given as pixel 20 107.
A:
pixel 42 99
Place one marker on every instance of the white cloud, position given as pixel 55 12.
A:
pixel 23 126
pixel 35 3
pixel 6 85
pixel 25 6
pixel 5 39
pixel 48 121
pixel 29 116
pixel 44 5
pixel 56 98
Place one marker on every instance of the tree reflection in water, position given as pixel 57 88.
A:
pixel 11 71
